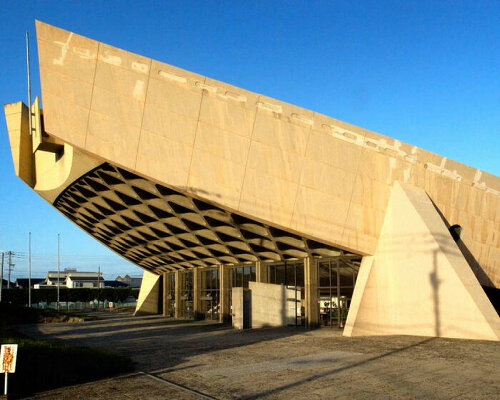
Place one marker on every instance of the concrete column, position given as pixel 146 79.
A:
pixel 166 293
pixel 197 293
pixel 225 287
pixel 261 272
pixel 311 292
pixel 178 301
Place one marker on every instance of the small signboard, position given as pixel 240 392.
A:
pixel 8 357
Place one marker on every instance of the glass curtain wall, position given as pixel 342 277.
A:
pixel 187 310
pixel 241 275
pixel 291 274
pixel 210 293
pixel 336 285
pixel 287 273
pixel 171 293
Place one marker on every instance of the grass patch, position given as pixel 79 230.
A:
pixel 43 365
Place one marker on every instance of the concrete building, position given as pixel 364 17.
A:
pixel 207 186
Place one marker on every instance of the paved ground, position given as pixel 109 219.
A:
pixel 285 363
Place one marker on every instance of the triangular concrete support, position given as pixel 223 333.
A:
pixel 147 303
pixel 418 282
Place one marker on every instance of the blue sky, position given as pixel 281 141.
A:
pixel 424 72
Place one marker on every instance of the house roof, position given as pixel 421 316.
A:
pixel 84 273
pixel 53 274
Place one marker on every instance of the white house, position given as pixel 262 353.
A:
pixel 84 280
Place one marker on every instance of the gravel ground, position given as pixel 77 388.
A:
pixel 282 363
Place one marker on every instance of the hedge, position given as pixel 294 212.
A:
pixel 20 296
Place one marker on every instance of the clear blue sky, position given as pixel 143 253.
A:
pixel 424 72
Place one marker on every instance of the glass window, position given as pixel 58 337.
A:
pixel 171 293
pixel 289 273
pixel 242 275
pixel 337 278
pixel 210 296
pixel 186 300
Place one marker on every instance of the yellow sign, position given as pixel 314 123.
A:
pixel 8 357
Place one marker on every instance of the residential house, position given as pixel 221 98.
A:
pixel 84 280
pixel 55 278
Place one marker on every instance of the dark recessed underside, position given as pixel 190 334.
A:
pixel 160 229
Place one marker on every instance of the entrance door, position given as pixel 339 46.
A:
pixel 187 295
pixel 291 274
pixel 210 293
pixel 241 275
pixel 337 278
pixel 171 294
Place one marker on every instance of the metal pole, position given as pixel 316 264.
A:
pixel 29 272
pixel 338 294
pixel 58 270
pixel 5 385
pixel 29 79
pixel 10 264
pixel 1 278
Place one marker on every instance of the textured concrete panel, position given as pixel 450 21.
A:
pixel 269 304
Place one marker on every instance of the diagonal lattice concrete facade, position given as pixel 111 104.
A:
pixel 177 171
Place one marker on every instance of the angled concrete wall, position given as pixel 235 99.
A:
pixel 418 282
pixel 148 300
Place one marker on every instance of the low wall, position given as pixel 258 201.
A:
pixel 272 305
pixel 241 312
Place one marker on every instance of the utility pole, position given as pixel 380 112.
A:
pixel 29 272
pixel 1 278
pixel 58 270
pixel 10 266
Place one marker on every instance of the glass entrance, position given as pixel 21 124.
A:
pixel 210 293
pixel 291 274
pixel 186 294
pixel 171 293
pixel 241 275
pixel 337 278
